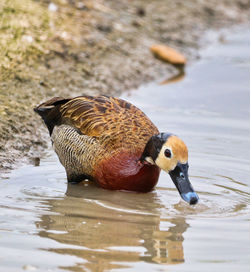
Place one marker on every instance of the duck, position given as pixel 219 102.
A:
pixel 111 142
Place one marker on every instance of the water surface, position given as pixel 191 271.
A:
pixel 47 225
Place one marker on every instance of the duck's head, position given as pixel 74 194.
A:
pixel 170 153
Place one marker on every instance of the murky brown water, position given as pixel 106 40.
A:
pixel 42 228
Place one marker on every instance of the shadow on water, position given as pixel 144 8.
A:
pixel 179 76
pixel 107 235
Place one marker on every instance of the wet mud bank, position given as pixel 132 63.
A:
pixel 90 47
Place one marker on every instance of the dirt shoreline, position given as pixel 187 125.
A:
pixel 98 47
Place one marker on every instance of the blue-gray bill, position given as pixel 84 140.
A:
pixel 190 197
pixel 180 178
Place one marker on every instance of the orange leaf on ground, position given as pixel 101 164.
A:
pixel 168 54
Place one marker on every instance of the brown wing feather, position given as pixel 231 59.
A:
pixel 114 121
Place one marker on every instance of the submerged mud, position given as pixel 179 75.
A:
pixel 97 47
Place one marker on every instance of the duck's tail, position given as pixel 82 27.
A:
pixel 50 111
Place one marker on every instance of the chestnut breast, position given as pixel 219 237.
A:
pixel 123 171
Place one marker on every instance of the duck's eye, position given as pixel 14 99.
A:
pixel 167 153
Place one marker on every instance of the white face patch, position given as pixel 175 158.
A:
pixel 166 163
pixel 164 148
pixel 172 151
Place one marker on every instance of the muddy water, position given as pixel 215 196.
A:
pixel 47 225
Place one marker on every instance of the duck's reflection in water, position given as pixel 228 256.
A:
pixel 111 229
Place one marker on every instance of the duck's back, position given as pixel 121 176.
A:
pixel 86 129
pixel 115 122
